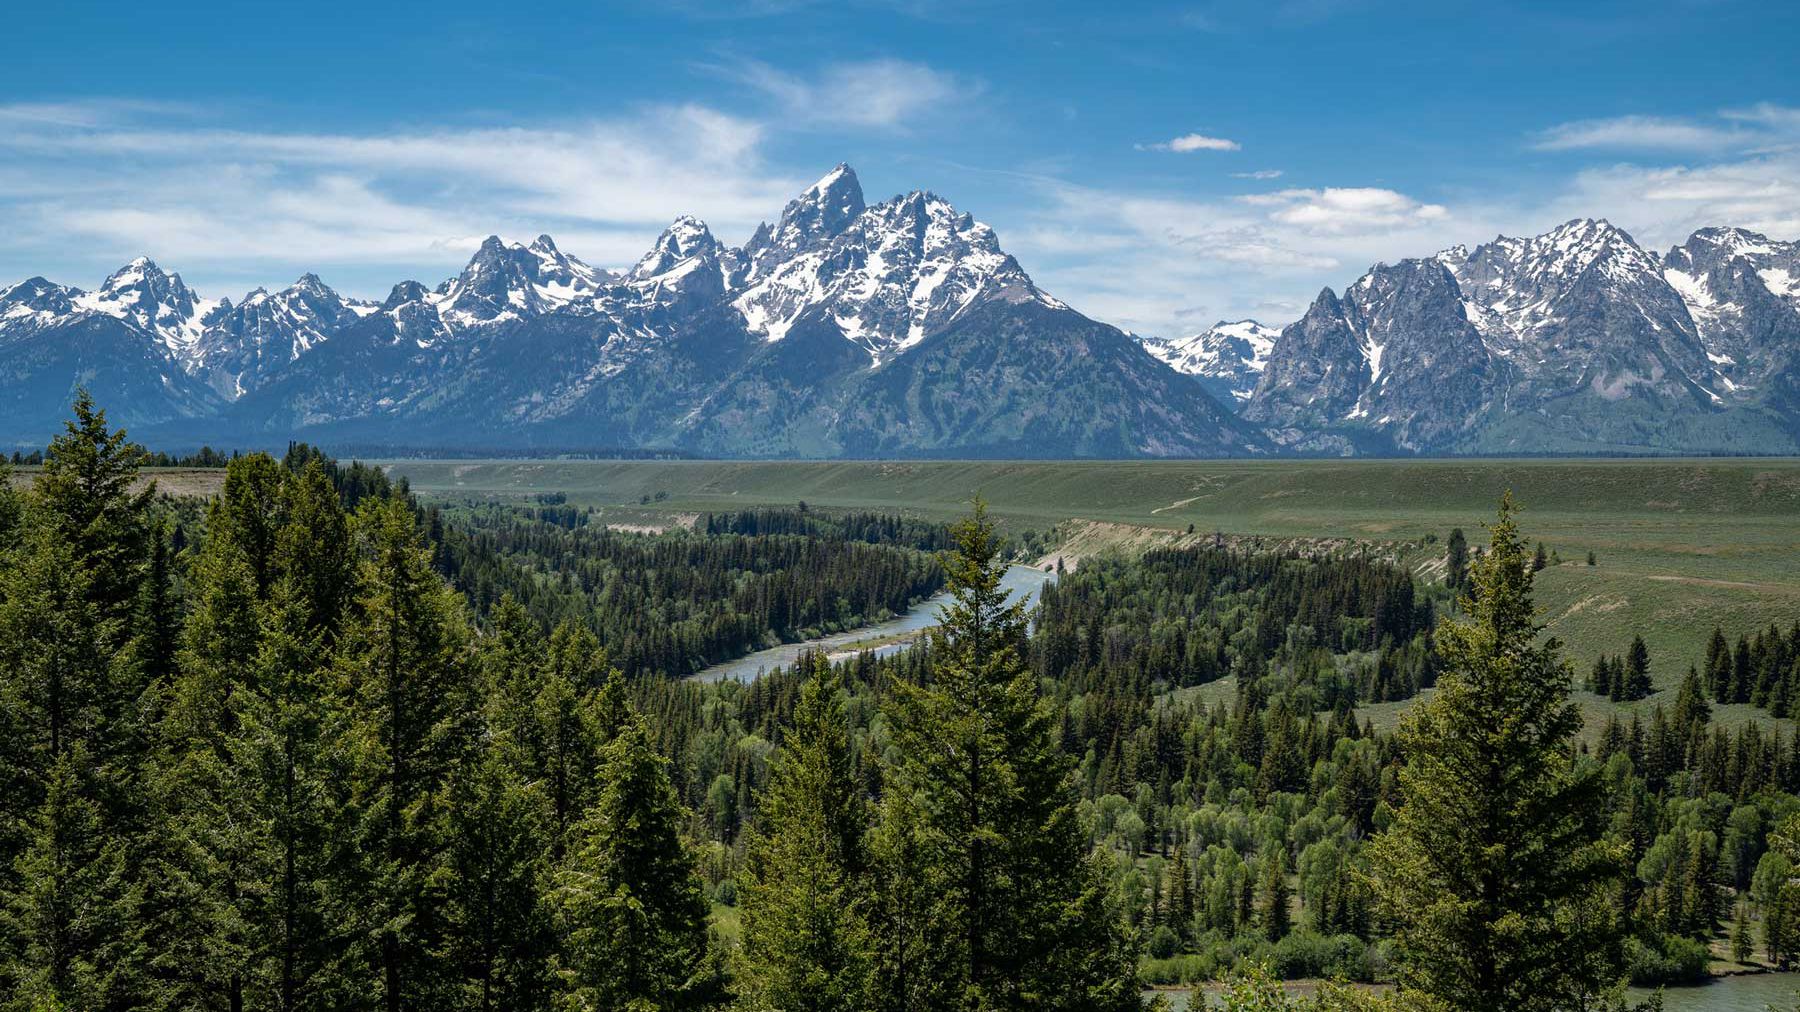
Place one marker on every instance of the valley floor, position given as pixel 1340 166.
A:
pixel 1680 545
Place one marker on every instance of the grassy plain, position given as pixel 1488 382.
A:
pixel 1681 545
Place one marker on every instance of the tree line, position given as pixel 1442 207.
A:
pixel 672 605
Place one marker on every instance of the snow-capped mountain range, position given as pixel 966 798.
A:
pixel 1577 340
pixel 897 328
pixel 903 328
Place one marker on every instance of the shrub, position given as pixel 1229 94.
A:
pixel 1671 959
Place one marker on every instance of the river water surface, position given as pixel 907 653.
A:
pixel 1749 993
pixel 1023 581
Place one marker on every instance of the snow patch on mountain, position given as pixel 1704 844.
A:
pixel 899 272
pixel 141 294
pixel 1232 355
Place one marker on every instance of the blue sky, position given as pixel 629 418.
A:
pixel 1157 166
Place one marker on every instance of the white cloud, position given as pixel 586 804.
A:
pixel 82 191
pixel 1263 174
pixel 1188 143
pixel 1663 205
pixel 871 94
pixel 1769 115
pixel 1638 133
pixel 1345 209
pixel 1730 132
pixel 1145 261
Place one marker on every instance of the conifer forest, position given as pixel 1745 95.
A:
pixel 315 742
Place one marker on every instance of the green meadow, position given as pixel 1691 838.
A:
pixel 1680 544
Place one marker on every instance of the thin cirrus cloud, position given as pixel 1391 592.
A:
pixel 1730 131
pixel 1649 133
pixel 882 94
pixel 1189 143
pixel 84 188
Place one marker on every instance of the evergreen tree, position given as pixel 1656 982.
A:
pixel 1691 708
pixel 285 742
pixel 1181 896
pixel 1718 666
pixel 12 507
pixel 88 502
pixel 631 909
pixel 806 942
pixel 1491 869
pixel 411 718
pixel 159 619
pixel 68 919
pixel 73 734
pixel 1456 560
pixel 1020 905
pixel 1540 558
pixel 570 722
pixel 1637 670
pixel 315 550
pixel 912 970
pixel 497 928
pixel 1272 903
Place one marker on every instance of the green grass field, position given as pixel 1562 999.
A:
pixel 1682 544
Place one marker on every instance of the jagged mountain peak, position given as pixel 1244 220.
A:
pixel 509 280
pixel 36 301
pixel 311 284
pixel 403 293
pixel 902 270
pixel 1708 247
pixel 145 296
pixel 834 201
pixel 686 246
pixel 821 212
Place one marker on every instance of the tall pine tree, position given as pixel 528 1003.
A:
pixel 806 941
pixel 1494 865
pixel 1019 907
pixel 631 911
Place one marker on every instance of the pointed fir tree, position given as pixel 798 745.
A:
pixel 806 943
pixel 412 715
pixel 631 911
pixel 1491 867
pixel 910 969
pixel 315 550
pixel 287 738
pixel 67 919
pixel 1456 560
pixel 1718 666
pixel 1637 670
pixel 497 933
pixel 1742 943
pixel 1272 894
pixel 88 501
pixel 1021 907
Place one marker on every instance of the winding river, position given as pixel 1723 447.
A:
pixel 892 635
